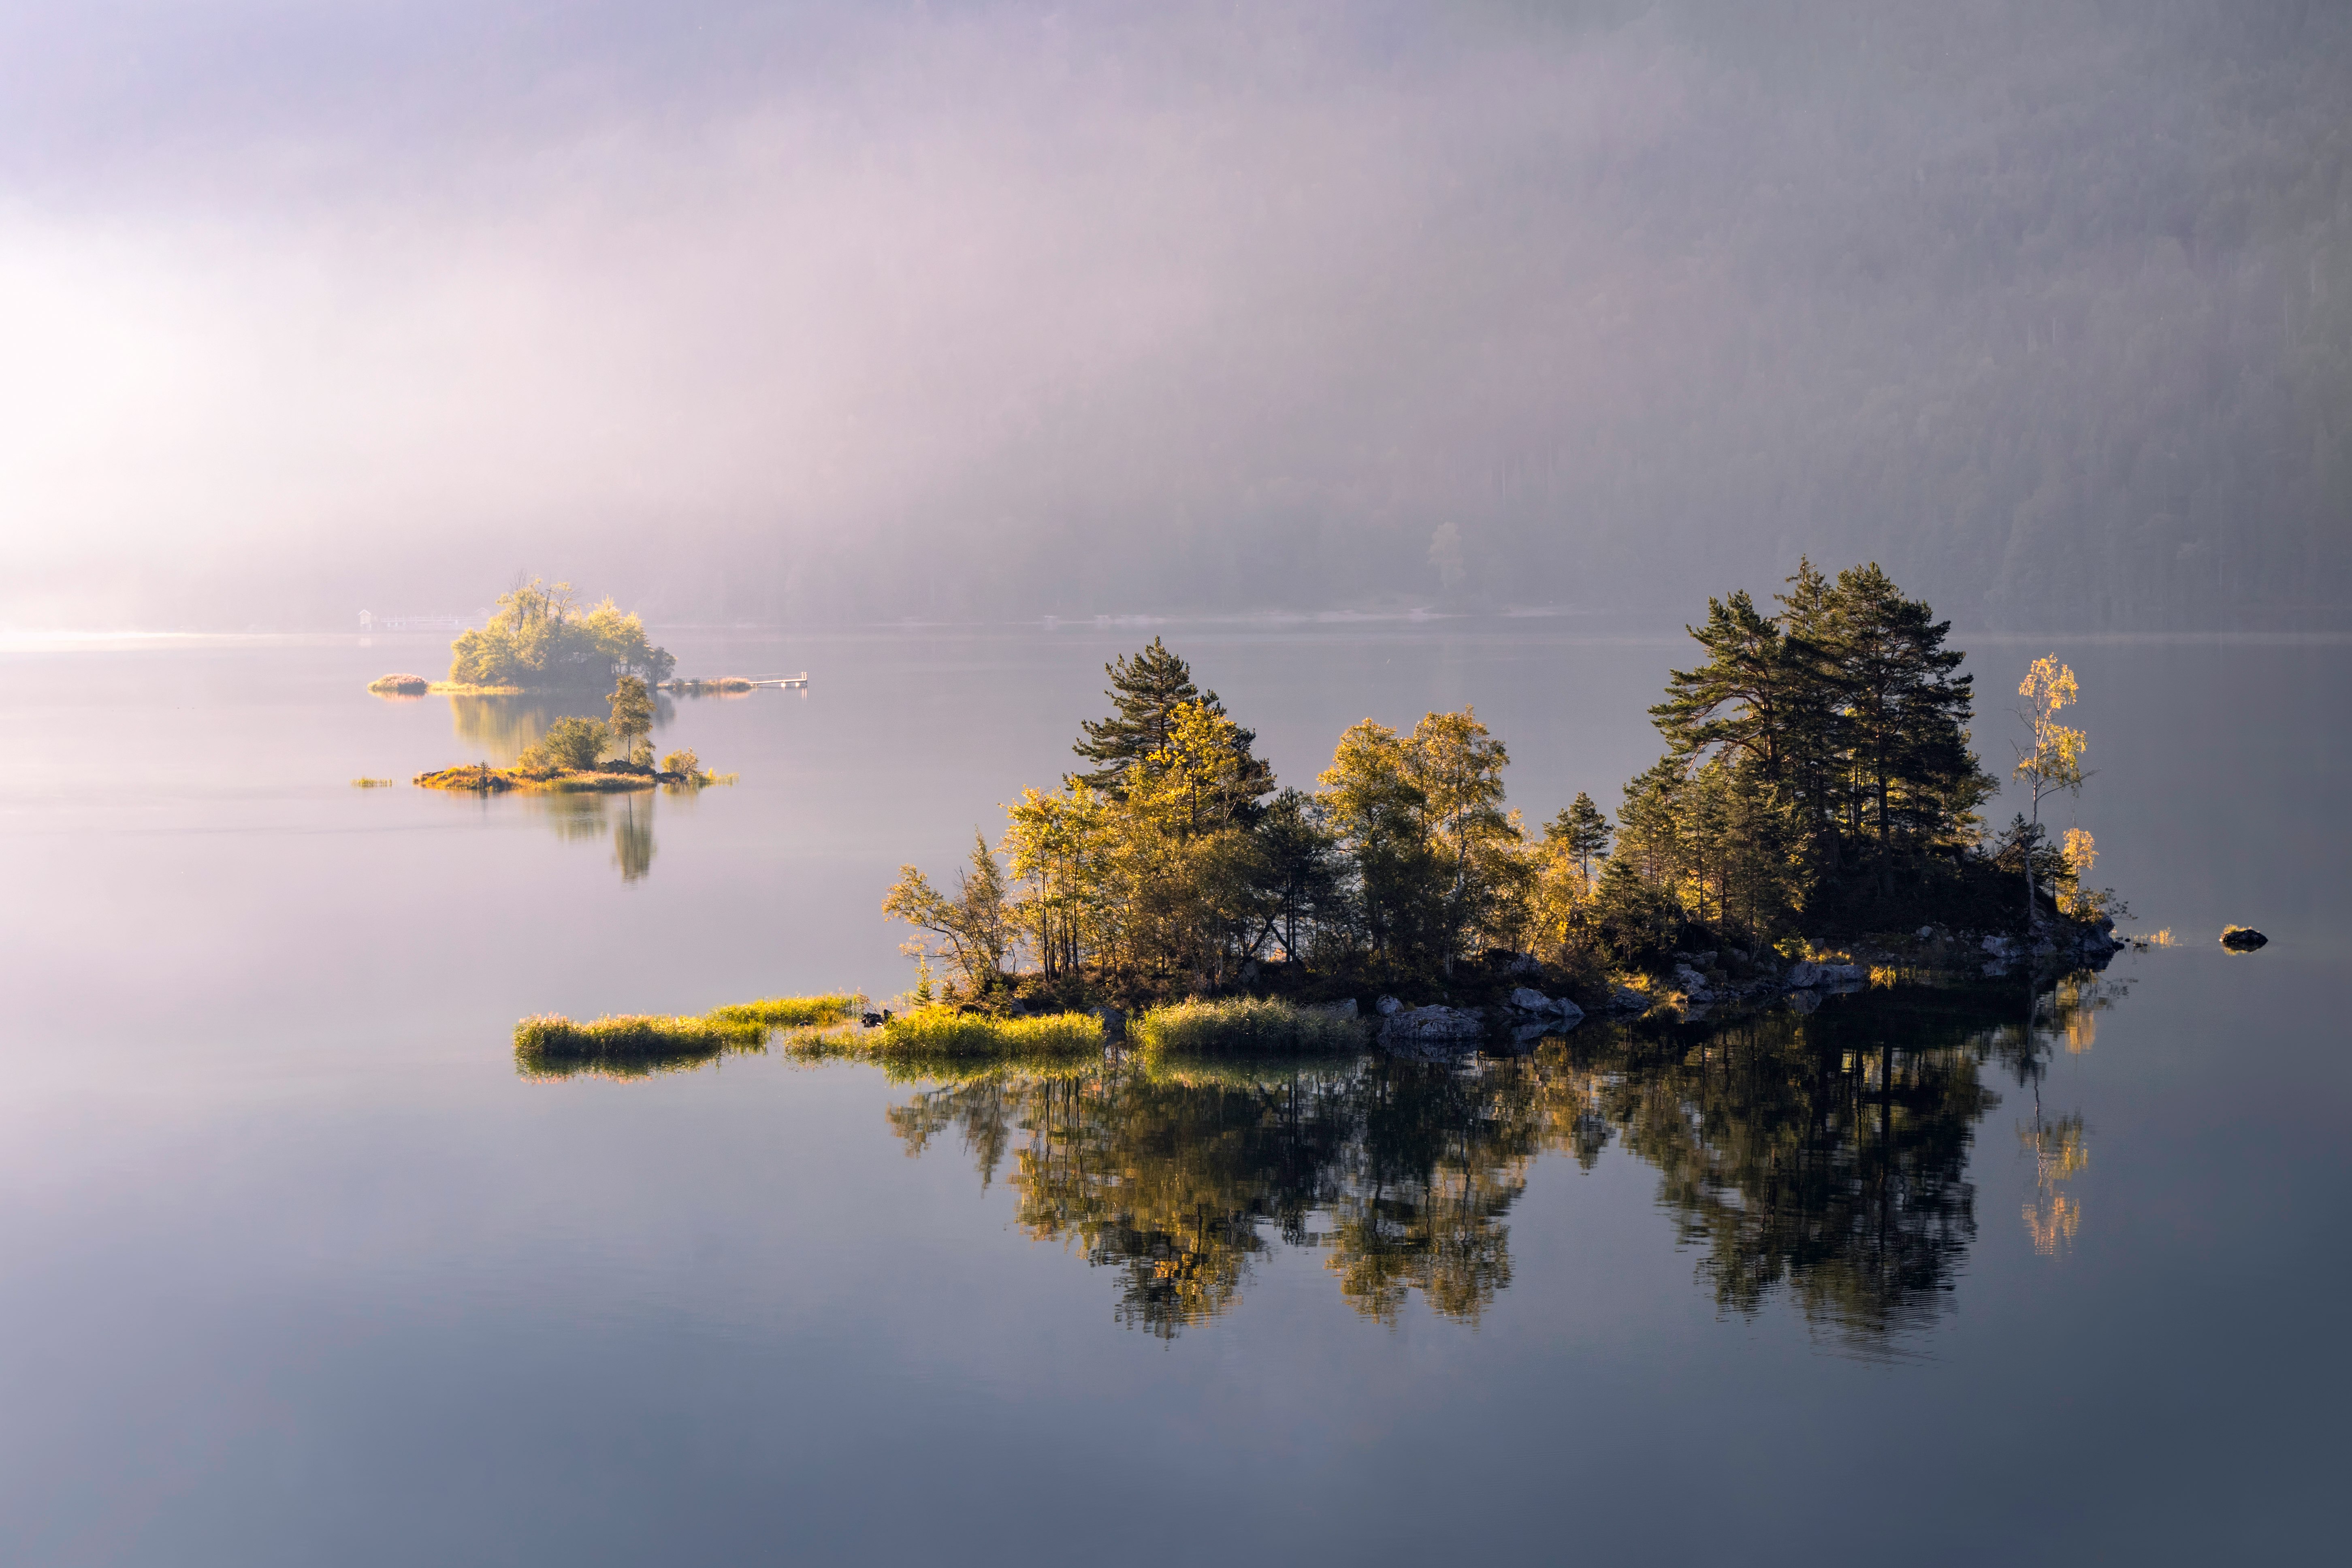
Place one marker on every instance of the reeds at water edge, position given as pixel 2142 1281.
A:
pixel 1245 1026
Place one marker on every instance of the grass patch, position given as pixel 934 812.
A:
pixel 1244 1026
pixel 633 1046
pixel 400 686
pixel 639 1044
pixel 788 1012
pixel 941 1031
pixel 370 784
pixel 482 778
pixel 696 687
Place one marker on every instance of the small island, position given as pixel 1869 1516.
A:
pixel 539 642
pixel 571 757
pixel 1813 826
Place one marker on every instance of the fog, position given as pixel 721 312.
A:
pixel 831 314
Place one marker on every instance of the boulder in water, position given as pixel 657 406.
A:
pixel 1429 1024
pixel 2242 939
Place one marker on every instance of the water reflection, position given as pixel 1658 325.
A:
pixel 1821 1158
pixel 627 817
pixel 497 730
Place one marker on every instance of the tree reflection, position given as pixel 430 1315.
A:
pixel 497 730
pixel 1821 1157
pixel 627 818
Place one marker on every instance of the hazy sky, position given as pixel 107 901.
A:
pixel 993 310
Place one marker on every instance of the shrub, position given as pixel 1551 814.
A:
pixel 575 745
pixel 399 685
pixel 682 762
pixel 1244 1026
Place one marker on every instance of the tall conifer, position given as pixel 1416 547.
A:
pixel 1145 691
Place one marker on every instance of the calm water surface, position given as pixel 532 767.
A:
pixel 300 1271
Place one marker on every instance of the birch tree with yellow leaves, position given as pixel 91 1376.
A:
pixel 2052 760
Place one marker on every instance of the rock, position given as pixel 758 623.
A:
pixel 1346 1009
pixel 1693 984
pixel 1114 1022
pixel 1998 946
pixel 1927 931
pixel 1388 1006
pixel 1526 1001
pixel 1626 999
pixel 1525 963
pixel 2242 939
pixel 1803 975
pixel 1702 961
pixel 1844 974
pixel 1423 1026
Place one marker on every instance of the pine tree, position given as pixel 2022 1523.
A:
pixel 1587 832
pixel 1907 715
pixel 1145 691
pixel 1813 712
pixel 1735 701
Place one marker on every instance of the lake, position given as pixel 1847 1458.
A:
pixel 301 1270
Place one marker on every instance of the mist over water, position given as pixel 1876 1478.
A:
pixel 1387 361
pixel 830 315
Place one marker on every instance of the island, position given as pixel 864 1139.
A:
pixel 539 641
pixel 1814 826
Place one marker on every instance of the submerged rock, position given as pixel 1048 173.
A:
pixel 2242 939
